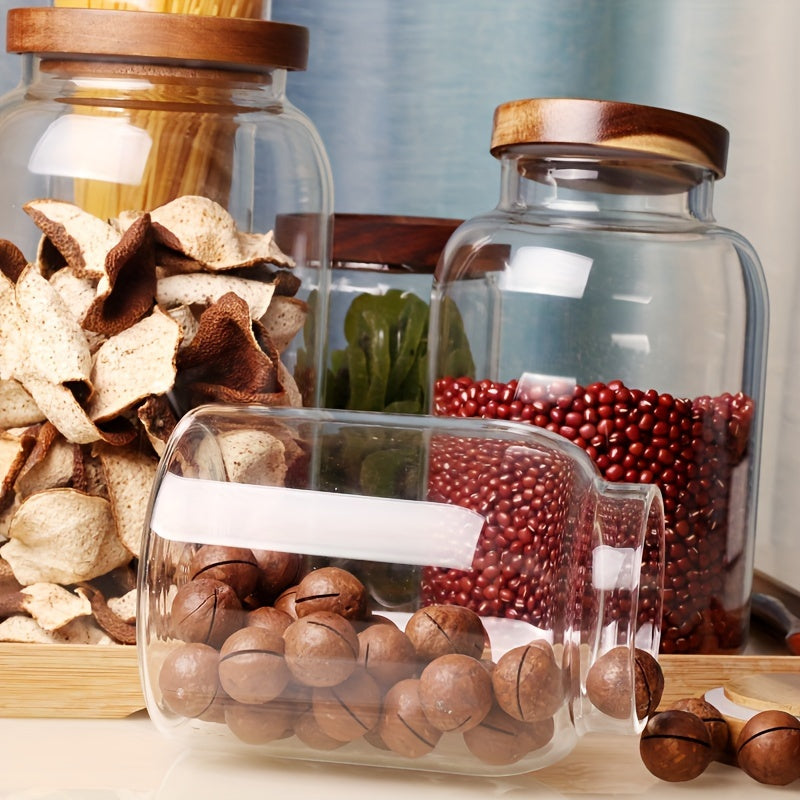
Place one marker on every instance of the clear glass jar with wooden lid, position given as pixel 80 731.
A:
pixel 122 112
pixel 601 300
pixel 381 275
pixel 165 216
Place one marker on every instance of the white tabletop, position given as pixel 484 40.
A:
pixel 129 760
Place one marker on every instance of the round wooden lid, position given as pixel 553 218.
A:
pixel 600 127
pixel 150 36
pixel 414 242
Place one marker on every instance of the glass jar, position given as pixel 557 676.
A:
pixel 602 301
pixel 122 111
pixel 381 276
pixel 283 600
pixel 166 216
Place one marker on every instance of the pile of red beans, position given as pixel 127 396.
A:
pixel 688 448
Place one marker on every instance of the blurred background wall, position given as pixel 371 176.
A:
pixel 403 95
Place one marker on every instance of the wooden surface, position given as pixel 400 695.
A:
pixel 765 692
pixel 63 680
pixel 86 681
pixel 694 675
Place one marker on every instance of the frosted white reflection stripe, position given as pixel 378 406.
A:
pixel 315 523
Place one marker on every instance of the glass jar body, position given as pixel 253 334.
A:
pixel 375 496
pixel 606 305
pixel 377 334
pixel 114 138
pixel 166 243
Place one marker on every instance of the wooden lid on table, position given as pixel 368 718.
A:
pixel 151 36
pixel 575 126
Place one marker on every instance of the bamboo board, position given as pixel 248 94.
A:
pixel 102 681
pixel 69 680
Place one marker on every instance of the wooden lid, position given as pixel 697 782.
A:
pixel 574 127
pixel 150 36
pixel 413 242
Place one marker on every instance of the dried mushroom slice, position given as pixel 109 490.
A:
pixel 203 230
pixel 158 421
pixel 253 456
pixel 186 321
pixel 12 345
pixel 15 446
pixel 81 238
pixel 12 260
pixel 63 536
pixel 57 350
pixel 61 407
pixel 125 606
pixel 52 605
pixel 205 289
pixel 284 319
pixel 134 364
pixel 129 476
pixel 17 408
pixel 83 630
pixel 49 465
pixel 225 351
pixel 126 292
pixel 118 629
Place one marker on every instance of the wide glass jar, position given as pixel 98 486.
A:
pixel 284 606
pixel 165 214
pixel 601 300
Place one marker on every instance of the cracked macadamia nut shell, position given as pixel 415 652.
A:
pixel 331 589
pixel 188 679
pixel 236 566
pixel 440 630
pixel 252 668
pixel 608 683
pixel 675 746
pixel 205 610
pixel 321 648
pixel 528 684
pixel 455 692
pixel 768 747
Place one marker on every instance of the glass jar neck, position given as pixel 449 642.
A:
pixel 122 83
pixel 595 188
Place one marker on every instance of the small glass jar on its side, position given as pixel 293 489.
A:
pixel 290 639
pixel 381 277
pixel 602 301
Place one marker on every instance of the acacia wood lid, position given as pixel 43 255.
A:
pixel 150 36
pixel 601 127
pixel 414 242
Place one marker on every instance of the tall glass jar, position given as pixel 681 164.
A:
pixel 601 300
pixel 122 111
pixel 165 216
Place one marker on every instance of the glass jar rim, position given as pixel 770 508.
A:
pixel 111 34
pixel 551 126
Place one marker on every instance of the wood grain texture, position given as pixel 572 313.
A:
pixel 167 37
pixel 62 680
pixel 763 692
pixel 693 675
pixel 412 242
pixel 575 123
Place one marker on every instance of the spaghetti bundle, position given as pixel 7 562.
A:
pixel 212 8
pixel 191 149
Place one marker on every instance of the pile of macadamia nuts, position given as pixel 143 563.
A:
pixel 680 742
pixel 273 649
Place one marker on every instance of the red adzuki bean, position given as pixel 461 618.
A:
pixel 688 448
